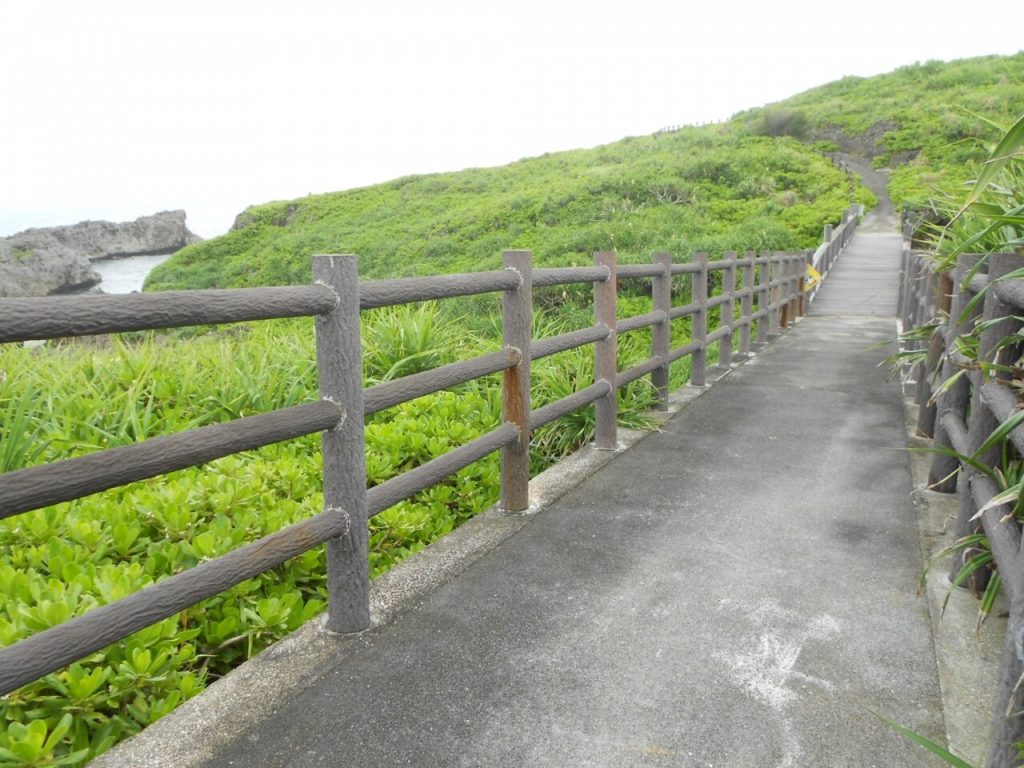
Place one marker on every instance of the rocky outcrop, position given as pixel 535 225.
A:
pixel 43 261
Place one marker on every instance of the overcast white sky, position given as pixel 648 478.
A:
pixel 113 109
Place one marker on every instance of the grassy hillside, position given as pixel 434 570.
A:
pixel 929 122
pixel 709 188
pixel 759 181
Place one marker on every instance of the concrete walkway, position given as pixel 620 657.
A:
pixel 738 589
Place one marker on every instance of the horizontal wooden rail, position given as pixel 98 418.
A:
pixel 638 371
pixel 978 283
pixel 721 333
pixel 956 428
pixel 568 275
pixel 687 268
pixel 568 404
pixel 1004 539
pixel 963 421
pixel 51 317
pixel 640 270
pixel 336 299
pixel 391 393
pixel 46 484
pixel 397 489
pixel 687 349
pixel 685 310
pixel 563 342
pixel 627 324
pixel 1003 404
pixel 1011 292
pixel 405 290
pixel 53 648
pixel 723 298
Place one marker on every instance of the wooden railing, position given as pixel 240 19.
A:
pixel 773 281
pixel 976 396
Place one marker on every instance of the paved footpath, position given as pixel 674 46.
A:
pixel 738 589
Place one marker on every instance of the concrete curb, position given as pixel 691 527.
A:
pixel 193 733
pixel 967 660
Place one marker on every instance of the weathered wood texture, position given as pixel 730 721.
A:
pixel 746 296
pixel 763 299
pixel 638 371
pixel 661 298
pixel 728 309
pixel 968 414
pixel 336 300
pixel 640 270
pixel 517 331
pixel 686 349
pixel 390 393
pixel 927 410
pixel 563 342
pixel 568 404
pixel 46 484
pixel 52 317
pixel 405 290
pixel 636 322
pixel 699 328
pixel 685 310
pixel 604 353
pixel 340 368
pixel 389 493
pixel 688 268
pixel 942 472
pixel 54 648
pixel 569 275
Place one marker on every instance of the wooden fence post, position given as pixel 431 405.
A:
pixel 747 303
pixel 910 298
pixel 661 295
pixel 829 251
pixel 780 272
pixel 517 331
pixel 605 366
pixel 339 358
pixel 727 310
pixel 981 423
pixel 799 276
pixel 926 410
pixel 699 326
pixel 906 271
pixel 801 308
pixel 942 472
pixel 764 298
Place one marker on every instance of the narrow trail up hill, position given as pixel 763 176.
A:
pixel 882 218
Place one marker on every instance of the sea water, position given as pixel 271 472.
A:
pixel 127 273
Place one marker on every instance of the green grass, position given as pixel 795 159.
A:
pixel 75 397
pixel 711 188
pixel 758 182
pixel 927 122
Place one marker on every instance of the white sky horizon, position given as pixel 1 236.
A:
pixel 117 109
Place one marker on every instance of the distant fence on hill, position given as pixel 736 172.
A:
pixel 774 282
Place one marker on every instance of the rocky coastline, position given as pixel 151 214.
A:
pixel 53 260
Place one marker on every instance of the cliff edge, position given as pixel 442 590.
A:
pixel 43 261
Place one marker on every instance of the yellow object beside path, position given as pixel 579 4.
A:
pixel 813 278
